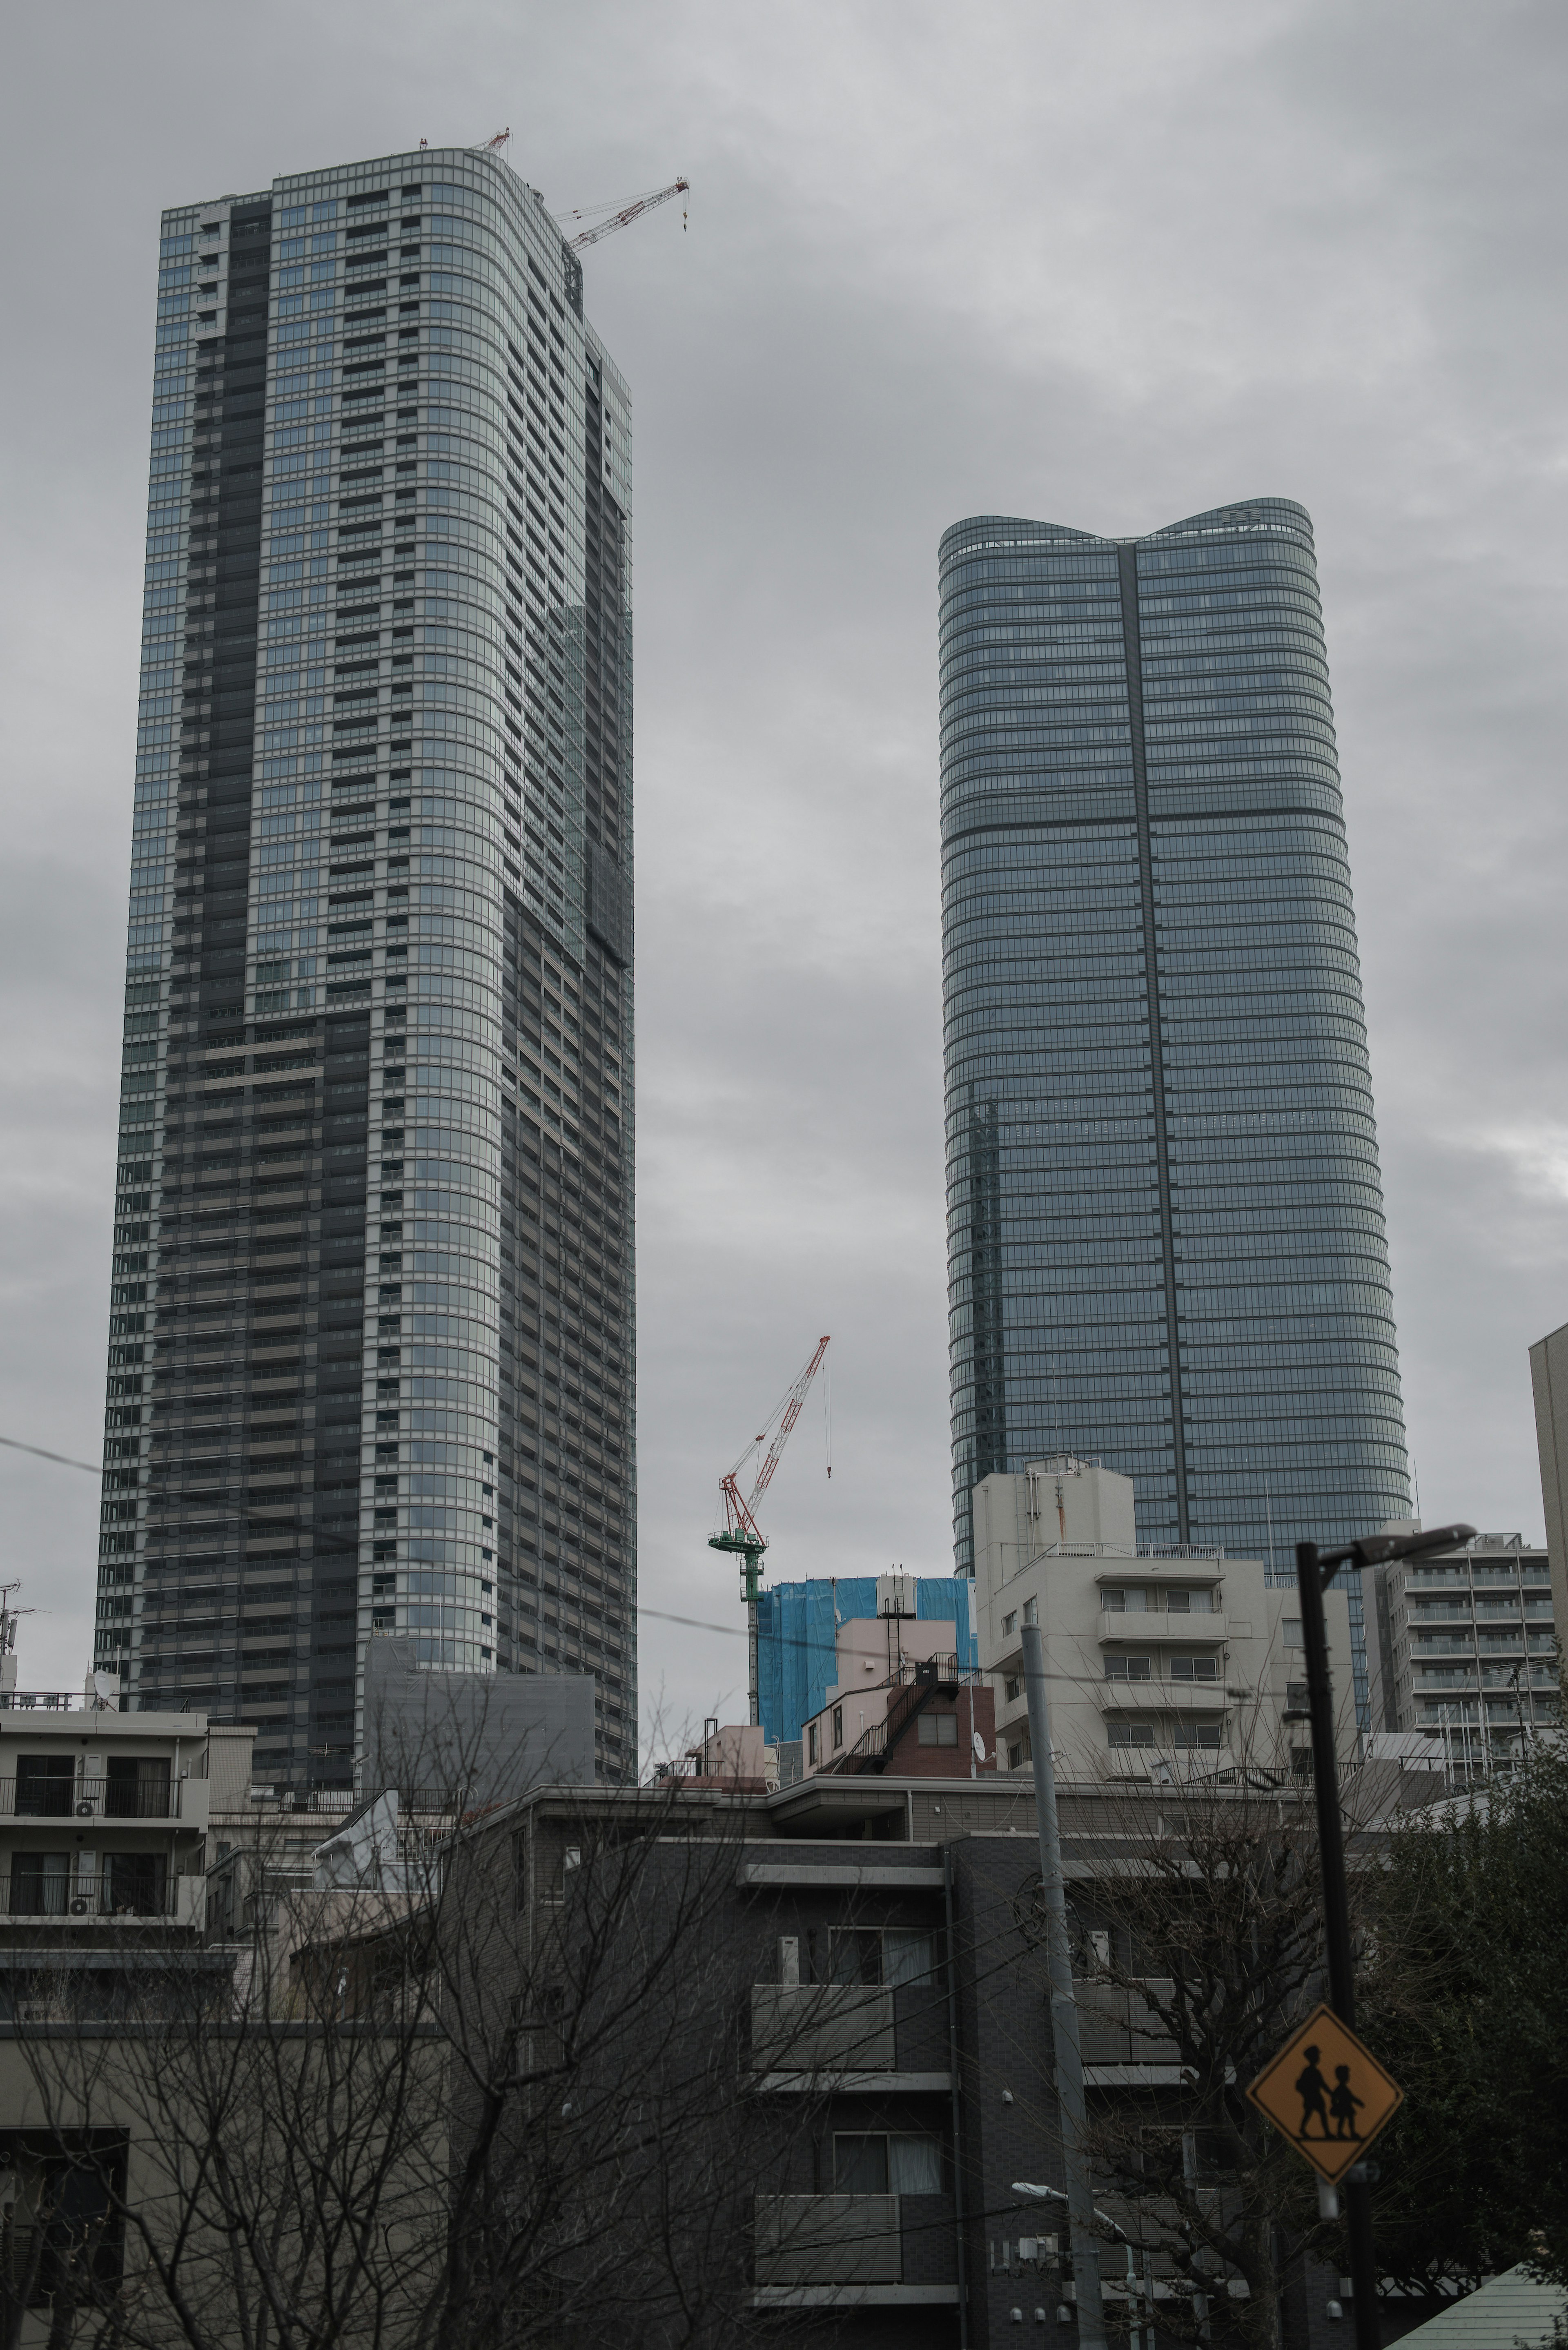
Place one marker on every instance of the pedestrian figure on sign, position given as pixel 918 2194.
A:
pixel 1312 2090
pixel 1344 2104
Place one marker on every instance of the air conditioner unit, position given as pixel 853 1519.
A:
pixel 86 1809
pixel 79 1905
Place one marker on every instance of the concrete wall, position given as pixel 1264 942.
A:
pixel 492 1734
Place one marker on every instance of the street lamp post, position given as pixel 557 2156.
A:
pixel 1315 1570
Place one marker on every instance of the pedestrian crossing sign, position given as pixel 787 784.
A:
pixel 1327 2093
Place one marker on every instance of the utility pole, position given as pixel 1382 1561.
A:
pixel 1316 1570
pixel 1064 2039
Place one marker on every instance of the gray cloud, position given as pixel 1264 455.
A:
pixel 1106 266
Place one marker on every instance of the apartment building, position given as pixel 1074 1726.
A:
pixel 106 1829
pixel 1462 1646
pixel 1160 1658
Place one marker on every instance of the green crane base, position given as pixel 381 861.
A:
pixel 751 1553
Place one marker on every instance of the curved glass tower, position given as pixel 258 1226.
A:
pixel 1165 1210
pixel 371 1333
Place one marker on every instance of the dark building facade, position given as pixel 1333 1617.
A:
pixel 371 1344
pixel 866 1952
pixel 1167 1242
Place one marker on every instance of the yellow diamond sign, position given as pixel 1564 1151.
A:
pixel 1327 2093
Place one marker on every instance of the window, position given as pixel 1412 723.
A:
pixel 1197 1733
pixel 937 1728
pixel 1010 1688
pixel 1032 1611
pixel 40 1884
pixel 891 2163
pixel 1010 1623
pixel 1194 1669
pixel 1113 1598
pixel 908 1955
pixel 1021 1754
pixel 893 1957
pixel 854 1955
pixel 838 1725
pixel 137 1787
pixel 1130 1734
pixel 135 1884
pixel 1292 1631
pixel 1128 1669
pixel 1191 1602
pixel 811 1753
pixel 45 1783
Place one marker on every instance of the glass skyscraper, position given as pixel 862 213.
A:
pixel 370 1358
pixel 1167 1242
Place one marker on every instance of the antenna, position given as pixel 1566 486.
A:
pixel 9 1618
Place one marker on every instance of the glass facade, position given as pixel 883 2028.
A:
pixel 1166 1244
pixel 371 1342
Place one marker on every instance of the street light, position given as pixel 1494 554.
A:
pixel 1055 2195
pixel 1315 1570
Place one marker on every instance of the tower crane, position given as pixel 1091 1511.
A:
pixel 628 213
pixel 742 1534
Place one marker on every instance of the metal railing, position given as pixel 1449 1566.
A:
pixel 310 1800
pixel 32 1893
pixel 40 1798
pixel 50 1701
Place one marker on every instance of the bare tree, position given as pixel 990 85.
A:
pixel 1200 1931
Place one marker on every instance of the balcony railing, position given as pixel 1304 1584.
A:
pixel 90 1799
pixel 828 2239
pixel 110 1894
pixel 822 2028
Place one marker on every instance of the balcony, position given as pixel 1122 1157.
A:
pixel 1121 2045
pixel 1161 1697
pixel 1133 1630
pixel 816 2028
pixel 850 2252
pixel 115 1897
pixel 848 2036
pixel 45 1798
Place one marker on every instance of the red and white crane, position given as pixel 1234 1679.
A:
pixel 626 213
pixel 742 1534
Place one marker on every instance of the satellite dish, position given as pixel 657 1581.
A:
pixel 979 1744
pixel 106 1688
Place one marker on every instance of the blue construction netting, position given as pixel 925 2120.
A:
pixel 796 1627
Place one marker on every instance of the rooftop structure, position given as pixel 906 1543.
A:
pixel 803 1629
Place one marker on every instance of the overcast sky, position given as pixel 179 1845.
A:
pixel 1107 265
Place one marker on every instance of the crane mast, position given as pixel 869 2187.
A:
pixel 742 1536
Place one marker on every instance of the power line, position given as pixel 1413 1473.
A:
pixel 333 1542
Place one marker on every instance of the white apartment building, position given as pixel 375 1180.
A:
pixel 1159 1660
pixel 105 1816
pixel 1463 1646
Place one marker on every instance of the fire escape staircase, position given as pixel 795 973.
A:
pixel 921 1682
